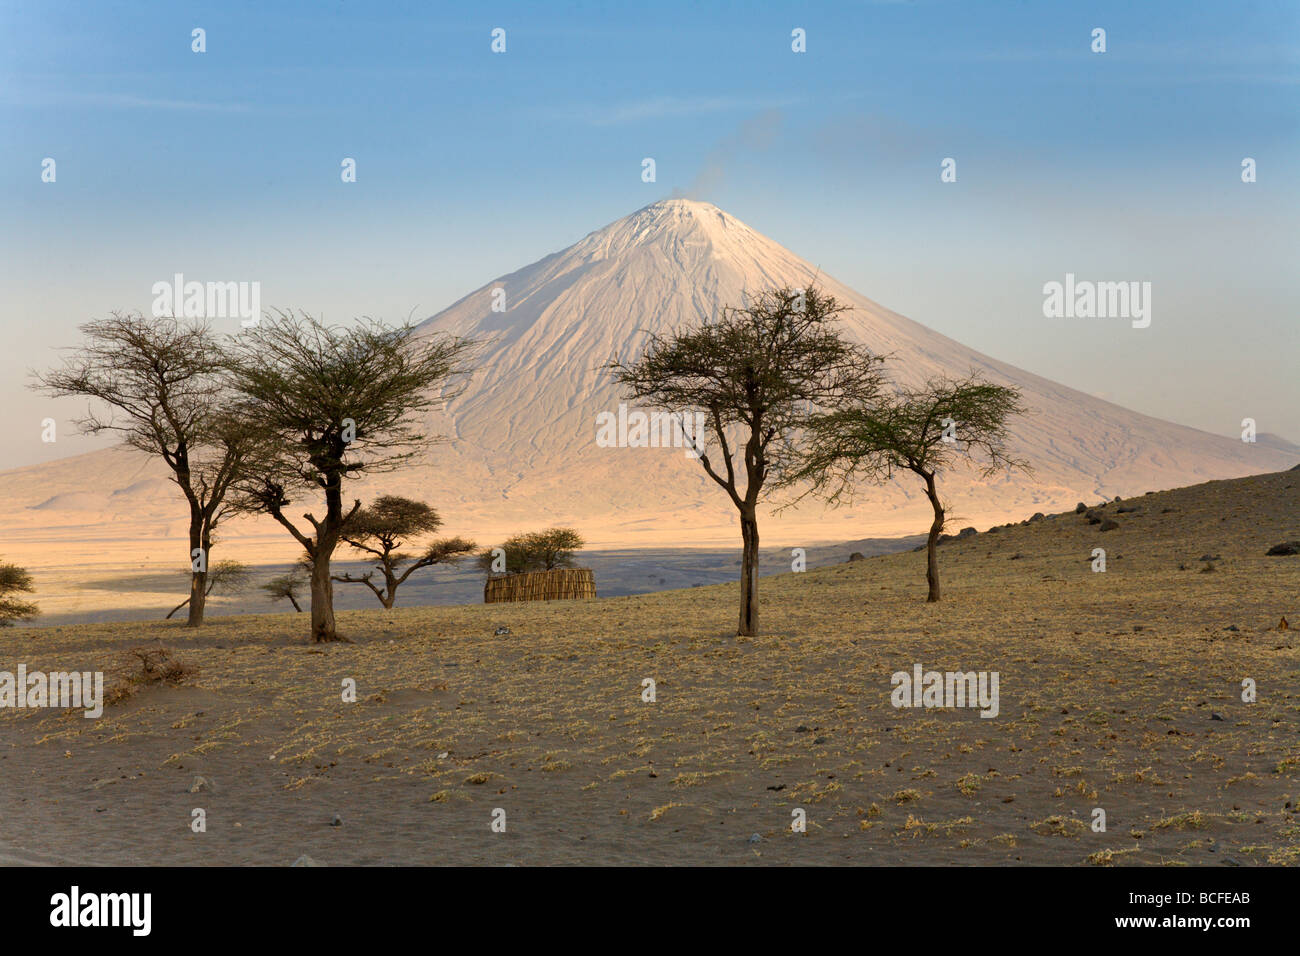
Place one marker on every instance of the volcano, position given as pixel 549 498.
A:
pixel 525 430
pixel 521 449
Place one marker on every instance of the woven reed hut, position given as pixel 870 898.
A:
pixel 562 584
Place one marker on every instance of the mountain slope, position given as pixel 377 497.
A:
pixel 527 425
pixel 522 452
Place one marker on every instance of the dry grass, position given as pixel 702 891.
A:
pixel 1108 687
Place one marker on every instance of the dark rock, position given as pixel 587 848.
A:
pixel 501 630
pixel 819 740
pixel 857 556
pixel 1036 516
pixel 1109 525
pixel 966 532
pixel 1209 557
pixel 1232 627
pixel 1214 716
pixel 337 821
pixel 1127 509
pixel 803 729
pixel 1080 508
pixel 1286 547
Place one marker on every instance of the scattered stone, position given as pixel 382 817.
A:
pixel 1286 547
pixel 1109 525
pixel 201 785
pixel 802 729
pixel 777 787
pixel 1036 516
pixel 1093 517
pixel 1015 557
pixel 967 532
pixel 1232 627
pixel 1127 509
pixel 820 740
pixel 1209 557
pixel 755 838
pixel 501 631
pixel 337 821
pixel 1214 716
pixel 857 556
pixel 305 860
pixel 1080 508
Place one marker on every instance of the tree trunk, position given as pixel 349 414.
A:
pixel 932 542
pixel 749 574
pixel 322 599
pixel 294 601
pixel 198 579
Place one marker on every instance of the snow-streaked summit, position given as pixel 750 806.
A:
pixel 684 223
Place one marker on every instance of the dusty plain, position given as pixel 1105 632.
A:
pixel 1120 690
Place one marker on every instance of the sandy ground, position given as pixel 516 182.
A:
pixel 1110 686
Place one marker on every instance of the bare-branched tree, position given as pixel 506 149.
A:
pixel 757 373
pixel 329 404
pixel 382 528
pixel 224 577
pixel 158 384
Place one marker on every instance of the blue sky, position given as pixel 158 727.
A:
pixel 1116 166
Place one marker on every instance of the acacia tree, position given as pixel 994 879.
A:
pixel 534 551
pixel 157 383
pixel 228 577
pixel 757 373
pixel 329 404
pixel 380 530
pixel 926 431
pixel 290 584
pixel 13 581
